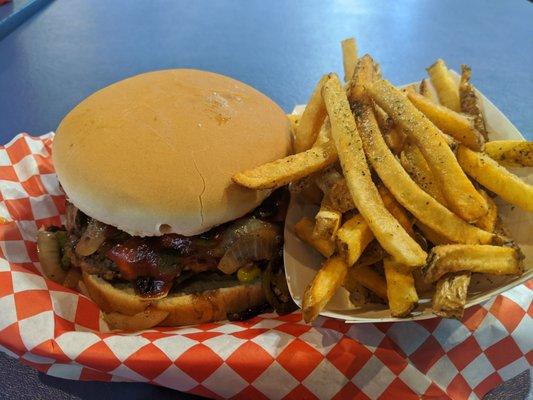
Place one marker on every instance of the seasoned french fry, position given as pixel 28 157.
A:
pixel 328 279
pixel 496 178
pixel 294 120
pixel 396 210
pixel 427 91
pixel 384 121
pixel 443 83
pixel 369 278
pixel 365 71
pixel 450 295
pixel 355 235
pixel 352 238
pixel 511 153
pixel 340 197
pixel 470 103
pixel 415 164
pixel 324 135
pixel 327 221
pixel 409 89
pixel 304 230
pixel 431 235
pixel 424 207
pixel 395 139
pixel 401 290
pixel 373 253
pixel 488 221
pixel 285 170
pixel 349 57
pixel 311 120
pixel 459 192
pixel 389 233
pixel 450 122
pixel 485 259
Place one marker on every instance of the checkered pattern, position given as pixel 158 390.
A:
pixel 60 332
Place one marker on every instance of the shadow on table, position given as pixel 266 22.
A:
pixel 20 382
pixel 112 390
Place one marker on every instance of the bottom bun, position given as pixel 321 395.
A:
pixel 198 302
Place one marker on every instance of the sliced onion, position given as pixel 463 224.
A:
pixel 92 238
pixel 50 256
pixel 254 246
pixel 240 228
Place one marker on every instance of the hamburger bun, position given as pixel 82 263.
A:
pixel 154 154
pixel 199 302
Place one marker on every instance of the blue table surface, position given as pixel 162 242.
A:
pixel 71 48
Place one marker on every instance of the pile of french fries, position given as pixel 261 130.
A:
pixel 405 179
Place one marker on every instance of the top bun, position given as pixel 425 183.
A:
pixel 155 153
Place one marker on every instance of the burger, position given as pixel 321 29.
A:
pixel 155 228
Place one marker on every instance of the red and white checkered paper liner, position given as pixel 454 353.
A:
pixel 60 332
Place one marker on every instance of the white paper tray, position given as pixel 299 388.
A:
pixel 302 262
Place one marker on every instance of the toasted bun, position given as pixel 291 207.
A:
pixel 124 310
pixel 155 153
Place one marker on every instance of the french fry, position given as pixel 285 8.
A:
pixel 369 278
pixel 395 139
pixel 470 103
pixel 450 295
pixel 366 198
pixel 401 290
pixel 451 292
pixel 447 90
pixel 415 164
pixel 323 286
pixel 311 120
pixel 304 230
pixel 409 89
pixel 373 254
pixel 327 221
pixel 427 91
pixel 489 220
pixel 280 172
pixel 396 210
pixel 424 207
pixel 450 122
pixel 384 121
pixel 355 235
pixel 511 153
pixel 431 235
pixel 485 259
pixel 365 71
pixel 352 238
pixel 294 120
pixel 496 178
pixel 340 197
pixel 460 194
pixel 324 135
pixel 349 57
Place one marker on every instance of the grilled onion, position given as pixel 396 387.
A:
pixel 50 256
pixel 92 238
pixel 256 240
